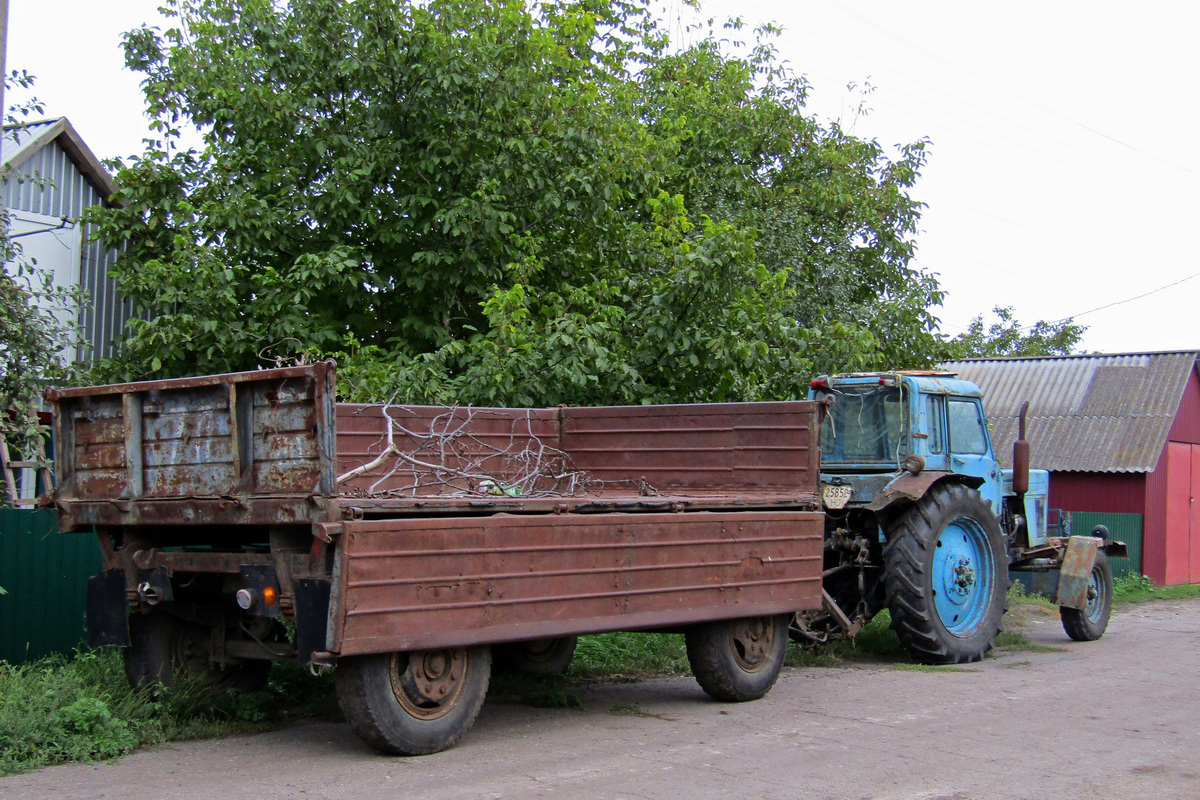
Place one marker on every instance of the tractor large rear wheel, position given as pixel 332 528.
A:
pixel 946 576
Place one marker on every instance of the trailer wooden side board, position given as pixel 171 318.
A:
pixel 414 584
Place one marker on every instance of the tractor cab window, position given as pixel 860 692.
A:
pixel 967 432
pixel 934 424
pixel 865 425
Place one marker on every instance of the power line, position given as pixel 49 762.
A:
pixel 1119 302
pixel 1002 87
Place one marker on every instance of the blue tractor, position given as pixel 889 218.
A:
pixel 922 520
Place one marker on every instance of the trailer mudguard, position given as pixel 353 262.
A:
pixel 107 610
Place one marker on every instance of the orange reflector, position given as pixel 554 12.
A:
pixel 268 595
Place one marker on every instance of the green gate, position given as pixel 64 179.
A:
pixel 44 574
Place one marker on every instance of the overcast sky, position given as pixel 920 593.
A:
pixel 1063 173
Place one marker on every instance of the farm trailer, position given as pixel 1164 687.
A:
pixel 406 544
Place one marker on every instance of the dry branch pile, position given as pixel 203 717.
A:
pixel 449 455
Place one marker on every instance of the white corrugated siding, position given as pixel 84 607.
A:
pixel 49 183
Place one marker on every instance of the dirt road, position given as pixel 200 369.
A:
pixel 1118 718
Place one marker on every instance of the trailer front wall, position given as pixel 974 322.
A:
pixel 414 584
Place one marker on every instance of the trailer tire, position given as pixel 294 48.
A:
pixel 416 703
pixel 165 651
pixel 738 659
pixel 1088 624
pixel 536 656
pixel 946 576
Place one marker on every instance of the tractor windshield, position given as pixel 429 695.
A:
pixel 864 426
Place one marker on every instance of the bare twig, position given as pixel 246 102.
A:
pixel 452 457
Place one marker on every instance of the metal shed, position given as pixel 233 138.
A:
pixel 50 177
pixel 1120 435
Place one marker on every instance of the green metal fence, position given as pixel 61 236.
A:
pixel 1125 528
pixel 45 576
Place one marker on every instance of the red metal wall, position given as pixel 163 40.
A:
pixel 1187 421
pixel 1104 492
pixel 1154 523
pixel 1170 521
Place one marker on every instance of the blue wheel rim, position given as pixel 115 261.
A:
pixel 1095 600
pixel 963 576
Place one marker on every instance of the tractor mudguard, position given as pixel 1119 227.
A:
pixel 1076 571
pixel 911 488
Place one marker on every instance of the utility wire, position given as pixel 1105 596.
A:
pixel 1119 302
pixel 1004 88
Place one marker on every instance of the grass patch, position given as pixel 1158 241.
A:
pixel 1019 642
pixel 907 667
pixel 1139 589
pixel 1017 596
pixel 630 655
pixel 80 708
pixel 875 642
pixel 539 691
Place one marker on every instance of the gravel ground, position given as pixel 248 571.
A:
pixel 1117 718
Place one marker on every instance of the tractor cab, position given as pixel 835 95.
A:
pixel 889 437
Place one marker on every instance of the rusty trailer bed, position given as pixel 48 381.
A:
pixel 673 514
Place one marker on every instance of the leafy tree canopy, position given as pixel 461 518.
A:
pixel 1007 337
pixel 498 202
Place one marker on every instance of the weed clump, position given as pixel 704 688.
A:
pixel 65 709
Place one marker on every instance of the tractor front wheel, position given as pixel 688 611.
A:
pixel 1088 624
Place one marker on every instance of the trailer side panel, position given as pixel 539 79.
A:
pixel 413 584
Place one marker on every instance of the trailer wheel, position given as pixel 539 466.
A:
pixel 738 659
pixel 536 656
pixel 416 703
pixel 166 650
pixel 946 576
pixel 1089 623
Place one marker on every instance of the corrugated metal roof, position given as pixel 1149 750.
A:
pixel 19 138
pixel 1097 413
pixel 22 142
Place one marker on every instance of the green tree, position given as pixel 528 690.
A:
pixel 1007 337
pixel 476 201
